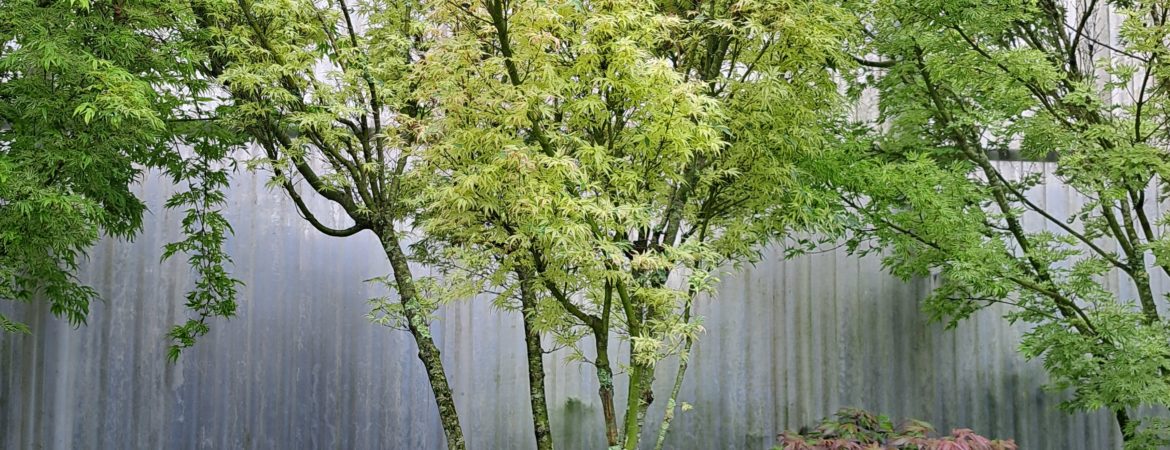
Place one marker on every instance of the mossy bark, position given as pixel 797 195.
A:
pixel 638 399
pixel 605 389
pixel 536 393
pixel 672 402
pixel 428 352
pixel 684 359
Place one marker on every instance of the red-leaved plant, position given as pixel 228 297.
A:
pixel 856 429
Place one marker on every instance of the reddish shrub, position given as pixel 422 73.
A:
pixel 855 429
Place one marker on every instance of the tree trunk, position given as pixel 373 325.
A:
pixel 605 391
pixel 672 402
pixel 1122 418
pixel 535 353
pixel 421 331
pixel 637 401
pixel 684 359
pixel 647 396
pixel 645 385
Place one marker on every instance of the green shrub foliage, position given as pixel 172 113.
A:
pixel 856 429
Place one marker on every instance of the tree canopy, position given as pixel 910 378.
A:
pixel 599 163
pixel 91 94
pixel 959 83
pixel 605 148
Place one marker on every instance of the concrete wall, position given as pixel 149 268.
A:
pixel 787 342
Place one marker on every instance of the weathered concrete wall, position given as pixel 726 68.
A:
pixel 787 342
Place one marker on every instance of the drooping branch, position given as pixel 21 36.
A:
pixel 306 214
pixel 876 64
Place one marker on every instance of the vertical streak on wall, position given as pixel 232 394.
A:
pixel 787 342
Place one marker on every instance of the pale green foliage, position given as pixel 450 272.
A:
pixel 960 81
pixel 326 92
pixel 585 157
pixel 577 198
pixel 622 150
pixel 320 96
pixel 433 292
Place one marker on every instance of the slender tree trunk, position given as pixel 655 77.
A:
pixel 646 381
pixel 639 395
pixel 605 391
pixel 1123 425
pixel 535 353
pixel 636 404
pixel 684 359
pixel 647 396
pixel 420 330
pixel 672 402
pixel 630 424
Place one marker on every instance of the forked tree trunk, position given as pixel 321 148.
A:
pixel 419 328
pixel 641 388
pixel 536 394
